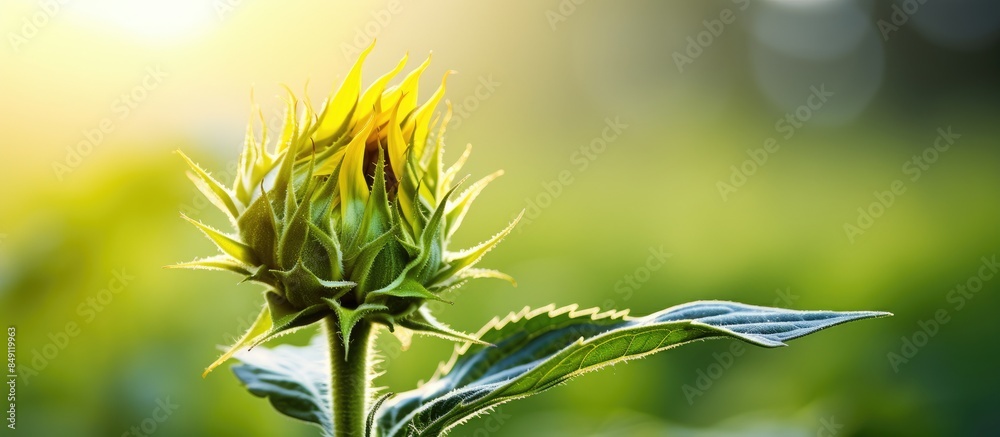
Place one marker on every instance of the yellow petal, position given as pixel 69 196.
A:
pixel 405 95
pixel 289 128
pixel 372 96
pixel 396 145
pixel 418 126
pixel 353 188
pixel 339 107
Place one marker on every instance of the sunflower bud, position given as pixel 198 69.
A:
pixel 347 213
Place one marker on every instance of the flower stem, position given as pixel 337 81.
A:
pixel 349 378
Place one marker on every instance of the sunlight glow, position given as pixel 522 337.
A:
pixel 155 20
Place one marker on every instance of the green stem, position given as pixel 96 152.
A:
pixel 349 378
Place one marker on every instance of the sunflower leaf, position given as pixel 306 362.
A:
pixel 292 378
pixel 538 350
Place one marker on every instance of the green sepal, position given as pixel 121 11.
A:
pixel 283 181
pixel 458 208
pixel 352 185
pixel 261 275
pixel 466 258
pixel 323 199
pixel 248 157
pixel 302 182
pixel 294 235
pixel 452 172
pixel 289 128
pixel 217 262
pixel 226 243
pixel 408 245
pixel 431 240
pixel 347 318
pixel 434 166
pixel 422 322
pixel 218 194
pixel 328 194
pixel 259 327
pixel 376 218
pixel 474 273
pixel 407 235
pixel 303 288
pixel 407 196
pixel 361 264
pixel 287 318
pixel 259 229
pixel 391 266
pixel 408 288
pixel 332 247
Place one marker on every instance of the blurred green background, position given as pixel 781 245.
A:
pixel 696 88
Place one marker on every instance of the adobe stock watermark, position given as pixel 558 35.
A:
pixel 34 23
pixel 787 125
pixel 713 29
pixel 706 378
pixel 11 377
pixel 121 109
pixel 225 8
pixel 626 287
pixel 561 12
pixel 463 109
pixel 898 18
pixel 828 427
pixel 959 297
pixel 161 413
pixel 366 33
pixel 87 310
pixel 581 159
pixel 914 168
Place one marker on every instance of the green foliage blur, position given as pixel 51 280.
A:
pixel 615 149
